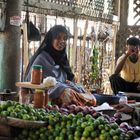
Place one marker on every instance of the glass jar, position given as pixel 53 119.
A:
pixel 24 95
pixel 36 75
pixel 38 98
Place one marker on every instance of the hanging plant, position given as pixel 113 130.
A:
pixel 94 65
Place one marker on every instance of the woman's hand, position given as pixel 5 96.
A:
pixel 124 108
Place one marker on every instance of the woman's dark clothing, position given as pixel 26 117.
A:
pixel 54 70
pixel 49 68
pixel 119 84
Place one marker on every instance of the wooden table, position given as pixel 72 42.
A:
pixel 29 85
pixel 132 94
pixel 7 96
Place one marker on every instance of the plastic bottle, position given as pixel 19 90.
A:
pixel 123 99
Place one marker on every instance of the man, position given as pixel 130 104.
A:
pixel 127 73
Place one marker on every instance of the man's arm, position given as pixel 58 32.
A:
pixel 121 63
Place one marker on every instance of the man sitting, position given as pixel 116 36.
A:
pixel 127 73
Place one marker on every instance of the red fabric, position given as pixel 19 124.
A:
pixel 70 96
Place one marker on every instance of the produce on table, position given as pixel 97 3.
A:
pixel 22 111
pixel 85 110
pixel 76 127
pixel 67 126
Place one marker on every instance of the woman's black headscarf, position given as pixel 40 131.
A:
pixel 60 57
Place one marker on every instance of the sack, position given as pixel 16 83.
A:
pixel 33 32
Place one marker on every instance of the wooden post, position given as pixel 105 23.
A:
pixel 74 44
pixel 112 68
pixel 82 52
pixel 25 46
pixel 123 13
pixel 11 49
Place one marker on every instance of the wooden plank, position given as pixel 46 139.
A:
pixel 29 85
pixel 131 94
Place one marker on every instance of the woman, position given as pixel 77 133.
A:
pixel 52 56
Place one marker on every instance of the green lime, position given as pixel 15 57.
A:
pixel 114 125
pixel 10 109
pixel 79 115
pixel 115 137
pixel 85 134
pixel 101 126
pixel 89 128
pixel 112 132
pixel 70 137
pixel 96 123
pixel 25 117
pixel 118 131
pixel 107 127
pixel 4 113
pixel 76 138
pixel 64 130
pixel 70 116
pixel 93 134
pixel 84 124
pixel 13 114
pixel 77 134
pixel 83 138
pixel 102 137
pixel 88 116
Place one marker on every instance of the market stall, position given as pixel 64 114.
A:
pixel 22 121
pixel 72 122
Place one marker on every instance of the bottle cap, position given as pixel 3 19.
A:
pixel 37 67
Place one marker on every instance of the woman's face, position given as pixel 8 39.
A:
pixel 59 43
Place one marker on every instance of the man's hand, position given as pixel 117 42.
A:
pixel 130 50
pixel 124 108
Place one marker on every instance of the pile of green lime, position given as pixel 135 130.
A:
pixel 75 127
pixel 22 111
pixel 63 127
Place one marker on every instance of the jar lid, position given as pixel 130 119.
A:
pixel 39 90
pixel 37 66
